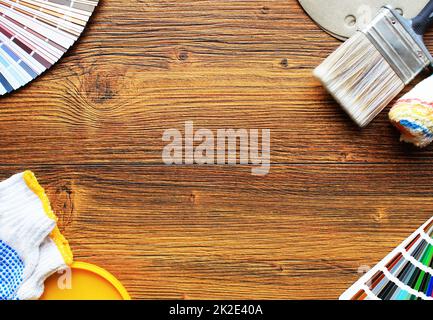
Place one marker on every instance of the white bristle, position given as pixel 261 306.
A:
pixel 360 79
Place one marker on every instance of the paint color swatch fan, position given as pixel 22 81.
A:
pixel 34 34
pixel 405 274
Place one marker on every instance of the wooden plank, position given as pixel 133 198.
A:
pixel 143 68
pixel 188 232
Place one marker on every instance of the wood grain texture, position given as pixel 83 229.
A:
pixel 337 198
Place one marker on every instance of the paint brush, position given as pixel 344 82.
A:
pixel 370 69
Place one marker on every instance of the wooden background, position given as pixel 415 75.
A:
pixel 337 198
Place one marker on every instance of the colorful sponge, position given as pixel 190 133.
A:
pixel 413 114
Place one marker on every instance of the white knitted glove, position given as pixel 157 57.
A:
pixel 31 245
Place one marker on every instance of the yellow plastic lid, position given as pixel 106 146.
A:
pixel 87 282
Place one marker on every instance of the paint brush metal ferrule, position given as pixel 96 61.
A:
pixel 394 37
pixel 372 67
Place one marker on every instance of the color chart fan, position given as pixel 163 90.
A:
pixel 34 34
pixel 405 274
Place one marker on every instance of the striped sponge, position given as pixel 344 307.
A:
pixel 413 114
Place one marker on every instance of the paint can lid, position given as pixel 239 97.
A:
pixel 342 19
pixel 87 282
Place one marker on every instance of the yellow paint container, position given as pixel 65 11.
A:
pixel 87 282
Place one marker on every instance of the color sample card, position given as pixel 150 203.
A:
pixel 405 274
pixel 34 34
